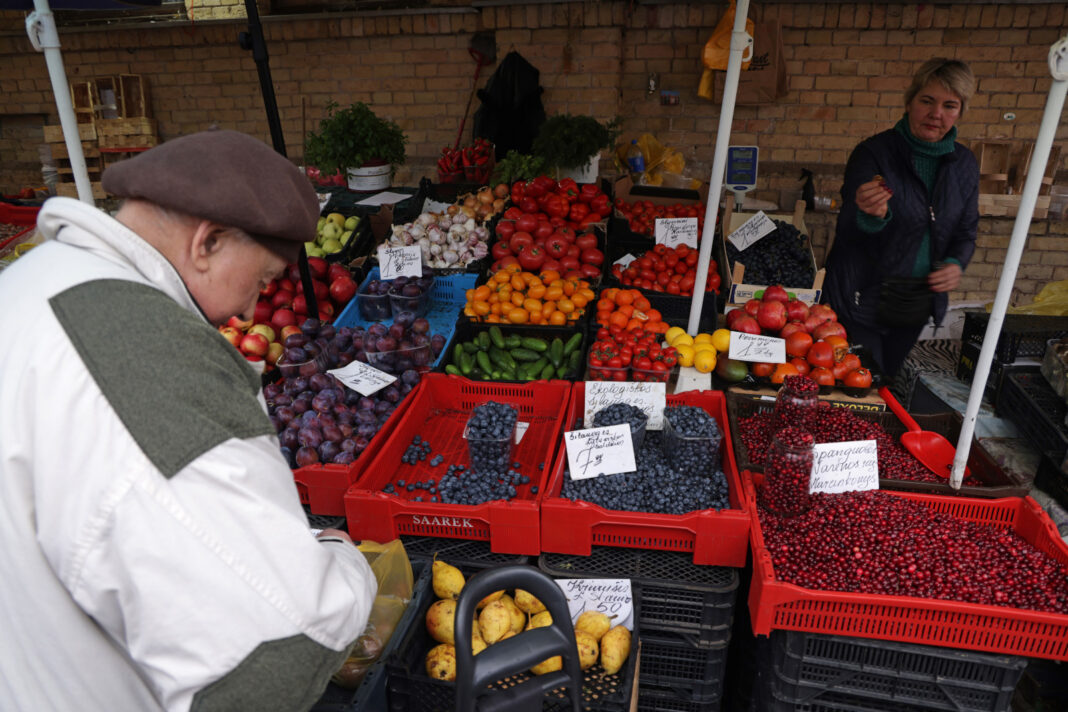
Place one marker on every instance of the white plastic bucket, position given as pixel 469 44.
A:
pixel 369 178
pixel 586 174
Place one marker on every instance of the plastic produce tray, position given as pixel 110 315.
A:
pixel 714 537
pixel 1021 334
pixel 776 605
pixel 462 553
pixel 466 330
pixel 412 690
pixel 803 667
pixel 371 694
pixel 1036 409
pixel 322 487
pixel 998 482
pixel 672 665
pixel 677 596
pixel 446 299
pixel 438 412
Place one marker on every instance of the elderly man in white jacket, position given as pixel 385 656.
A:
pixel 153 551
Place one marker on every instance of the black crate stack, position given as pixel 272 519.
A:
pixel 685 617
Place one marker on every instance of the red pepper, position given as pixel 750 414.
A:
pixel 589 191
pixel 578 212
pixel 589 220
pixel 555 206
pixel 567 187
pixel 601 205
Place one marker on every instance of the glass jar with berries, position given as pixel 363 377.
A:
pixel 787 471
pixel 795 404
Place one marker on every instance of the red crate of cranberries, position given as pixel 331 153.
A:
pixel 715 537
pixel 1001 585
pixel 420 478
pixel 750 419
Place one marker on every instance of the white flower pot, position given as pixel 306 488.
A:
pixel 586 174
pixel 366 179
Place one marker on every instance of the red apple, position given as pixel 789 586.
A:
pixel 239 323
pixel 824 312
pixel 747 325
pixel 288 331
pixel 231 334
pixel 792 327
pixel 254 344
pixel 270 289
pixel 733 315
pixel 318 267
pixel 775 293
pixel 322 291
pixel 262 314
pixel 274 352
pixel 300 305
pixel 293 275
pixel 342 289
pixel 283 318
pixel 267 331
pixel 752 307
pixel 328 309
pixel 282 298
pixel 828 328
pixel 287 284
pixel 796 310
pixel 772 315
pixel 336 270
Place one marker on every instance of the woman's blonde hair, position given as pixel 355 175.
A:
pixel 954 75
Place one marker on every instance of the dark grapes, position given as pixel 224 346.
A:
pixel 780 257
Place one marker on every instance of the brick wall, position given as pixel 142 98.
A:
pixel 20 136
pixel 848 65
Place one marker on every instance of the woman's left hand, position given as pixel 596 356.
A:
pixel 945 279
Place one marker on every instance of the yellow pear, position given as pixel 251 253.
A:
pixel 494 622
pixel 447 580
pixel 587 649
pixel 489 599
pixel 593 622
pixel 441 620
pixel 551 665
pixel 527 602
pixel 615 647
pixel 540 620
pixel 517 617
pixel 441 662
pixel 477 644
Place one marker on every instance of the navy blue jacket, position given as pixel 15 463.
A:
pixel 858 260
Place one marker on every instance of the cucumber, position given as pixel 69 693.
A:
pixel 534 344
pixel 496 336
pixel 547 372
pixel 453 370
pixel 502 359
pixel 483 360
pixel 484 341
pixel 457 354
pixel 562 372
pixel 574 362
pixel 524 355
pixel 556 352
pixel 470 347
pixel 467 363
pixel 539 365
pixel 573 343
pixel 512 341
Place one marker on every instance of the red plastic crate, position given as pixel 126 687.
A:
pixel 322 487
pixel 715 538
pixel 439 412
pixel 775 605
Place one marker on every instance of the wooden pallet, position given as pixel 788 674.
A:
pixel 89 149
pixel 997 205
pixel 70 190
pixel 133 132
pixel 54 134
pixel 994 159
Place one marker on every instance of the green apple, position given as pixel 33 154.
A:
pixel 331 231
pixel 310 247
pixel 314 251
pixel 331 246
pixel 352 223
pixel 336 218
pixel 264 329
pixel 345 237
pixel 319 225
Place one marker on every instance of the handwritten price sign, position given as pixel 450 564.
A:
pixel 676 231
pixel 600 451
pixel 751 230
pixel 753 347
pixel 404 261
pixel 613 597
pixel 844 467
pixel 362 378
pixel 650 397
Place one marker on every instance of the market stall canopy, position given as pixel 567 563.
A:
pixel 27 5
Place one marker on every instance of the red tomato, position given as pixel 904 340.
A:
pixel 798 344
pixel 858 378
pixel 821 355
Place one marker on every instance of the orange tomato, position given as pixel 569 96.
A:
pixel 565 305
pixel 536 291
pixel 532 305
pixel 553 293
pixel 617 319
pixel 641 303
pixel 518 316
pixel 481 293
pixel 578 300
pixel 624 297
pixel 517 299
pixel 610 294
pixel 549 275
pixel 481 308
pixel 557 318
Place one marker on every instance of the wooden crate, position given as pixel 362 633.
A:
pixel 54 134
pixel 107 97
pixel 70 190
pixel 133 132
pixel 89 149
pixel 997 205
pixel 92 164
pixel 134 96
pixel 83 97
pixel 994 158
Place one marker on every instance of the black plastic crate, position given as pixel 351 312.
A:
pixel 461 553
pixel 467 330
pixel 1021 335
pixel 677 596
pixel 1052 480
pixel 805 668
pixel 1036 409
pixel 371 694
pixel 672 665
pixel 322 521
pixel 412 690
pixel 655 700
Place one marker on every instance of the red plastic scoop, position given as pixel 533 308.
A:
pixel 932 449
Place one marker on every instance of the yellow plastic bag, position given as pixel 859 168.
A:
pixel 1052 300
pixel 393 571
pixel 718 49
pixel 663 165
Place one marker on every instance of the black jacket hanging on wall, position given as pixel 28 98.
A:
pixel 511 110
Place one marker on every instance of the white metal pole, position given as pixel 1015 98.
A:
pixel 1058 63
pixel 41 28
pixel 740 40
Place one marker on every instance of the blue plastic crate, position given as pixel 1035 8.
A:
pixel 447 298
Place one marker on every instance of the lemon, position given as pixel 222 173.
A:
pixel 685 354
pixel 704 347
pixel 705 361
pixel 721 339
pixel 682 339
pixel 703 338
pixel 671 333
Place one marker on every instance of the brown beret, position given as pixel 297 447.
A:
pixel 224 176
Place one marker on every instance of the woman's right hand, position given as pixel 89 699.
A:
pixel 873 198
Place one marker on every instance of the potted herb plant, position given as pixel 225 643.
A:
pixel 358 143
pixel 572 144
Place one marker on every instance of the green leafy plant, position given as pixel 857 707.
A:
pixel 517 166
pixel 351 137
pixel 568 142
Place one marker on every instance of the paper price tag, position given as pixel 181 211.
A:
pixel 650 397
pixel 751 230
pixel 600 451
pixel 362 378
pixel 754 347
pixel 404 261
pixel 625 260
pixel 613 597
pixel 385 198
pixel 844 467
pixel 435 206
pixel 676 231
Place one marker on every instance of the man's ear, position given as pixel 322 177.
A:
pixel 207 240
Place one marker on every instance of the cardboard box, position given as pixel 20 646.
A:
pixel 736 289
pixel 625 189
pixel 872 402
